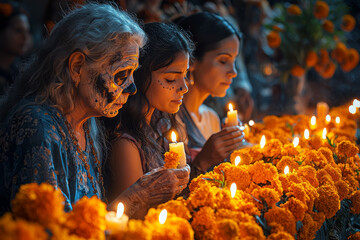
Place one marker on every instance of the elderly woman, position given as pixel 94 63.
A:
pixel 48 131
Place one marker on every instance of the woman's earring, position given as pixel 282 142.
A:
pixel 190 78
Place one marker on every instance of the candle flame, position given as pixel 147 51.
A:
pixel 262 141
pixel 352 109
pixel 324 133
pixel 337 120
pixel 120 210
pixel 328 118
pixel 286 170
pixel 306 134
pixel 237 160
pixel 313 120
pixel 251 123
pixel 296 141
pixel 162 216
pixel 173 136
pixel 233 190
pixel 356 103
pixel 231 107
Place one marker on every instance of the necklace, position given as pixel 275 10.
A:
pixel 84 158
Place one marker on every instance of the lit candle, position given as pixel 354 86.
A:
pixel 246 130
pixel 262 141
pixel 306 134
pixel 296 142
pixel 328 118
pixel 352 109
pixel 233 190
pixel 251 123
pixel 356 103
pixel 237 160
pixel 286 170
pixel 232 117
pixel 116 222
pixel 324 132
pixel 178 147
pixel 313 123
pixel 337 121
pixel 162 216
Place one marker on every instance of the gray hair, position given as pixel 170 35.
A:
pixel 99 30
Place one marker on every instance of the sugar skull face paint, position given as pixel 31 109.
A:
pixel 109 90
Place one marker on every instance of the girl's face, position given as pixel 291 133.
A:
pixel 168 85
pixel 215 71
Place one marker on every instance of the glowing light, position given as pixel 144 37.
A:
pixel 352 109
pixel 324 133
pixel 251 123
pixel 337 120
pixel 356 103
pixel 286 170
pixel 296 141
pixel 162 216
pixel 233 190
pixel 120 210
pixel 262 141
pixel 306 134
pixel 237 160
pixel 231 107
pixel 328 118
pixel 173 136
pixel 313 120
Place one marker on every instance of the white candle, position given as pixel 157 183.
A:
pixel 306 134
pixel 262 141
pixel 352 109
pixel 232 117
pixel 116 222
pixel 313 123
pixel 178 147
pixel 286 170
pixel 296 142
pixel 233 190
pixel 328 118
pixel 337 121
pixel 162 216
pixel 356 103
pixel 251 123
pixel 324 133
pixel 237 160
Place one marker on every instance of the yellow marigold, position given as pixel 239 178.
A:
pixel 172 159
pixel 270 121
pixel 272 148
pixel 270 196
pixel 328 26
pixel 235 174
pixel 348 23
pixel 196 182
pixel 255 153
pixel 352 182
pixel 334 172
pixel 296 207
pixel 204 195
pixel 39 203
pixel 245 157
pixel 136 229
pixel 351 60
pixel 355 236
pixel 289 150
pixel 287 180
pixel 355 202
pixel 283 217
pixel 20 229
pixel 227 229
pixel 324 177
pixel 287 161
pixel 204 223
pixel 5 9
pixel 297 71
pixel 273 39
pixel 249 230
pixel 239 216
pixel 58 232
pixel 346 148
pixel 310 227
pixel 177 207
pixel 315 159
pixel 87 219
pixel 328 155
pixel 294 10
pixel 328 201
pixel 321 10
pixel 342 188
pixel 315 142
pixel 308 173
pixel 280 235
pixel 311 59
pixel 261 172
pixel 339 52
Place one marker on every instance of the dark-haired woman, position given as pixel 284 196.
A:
pixel 211 73
pixel 137 135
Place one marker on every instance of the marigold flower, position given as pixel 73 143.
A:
pixel 249 230
pixel 308 173
pixel 204 223
pixel 227 229
pixel 310 226
pixel 348 23
pixel 342 188
pixel 283 217
pixel 289 150
pixel 272 148
pixel 39 203
pixel 136 229
pixel 328 26
pixel 172 159
pixel 334 172
pixel 204 195
pixel 297 71
pixel 294 10
pixel 273 39
pixel 287 161
pixel 261 172
pixel 328 155
pixel 235 174
pixel 177 207
pixel 270 121
pixel 270 196
pixel 351 60
pixel 311 59
pixel 355 236
pixel 321 10
pixel 296 207
pixel 209 177
pixel 328 71
pixel 87 219
pixel 328 201
pixel 280 235
pixel 346 148
pixel 277 28
pixel 339 52
pixel 245 157
pixel 287 180
pixel 324 177
pixel 355 202
pixel 323 57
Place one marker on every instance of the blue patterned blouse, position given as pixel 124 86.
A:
pixel 35 146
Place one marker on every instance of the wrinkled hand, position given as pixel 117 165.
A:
pixel 155 187
pixel 219 146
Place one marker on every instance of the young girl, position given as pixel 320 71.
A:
pixel 137 134
pixel 211 73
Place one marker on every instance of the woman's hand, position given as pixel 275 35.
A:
pixel 219 146
pixel 155 187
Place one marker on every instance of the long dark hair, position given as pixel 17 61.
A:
pixel 206 30
pixel 165 42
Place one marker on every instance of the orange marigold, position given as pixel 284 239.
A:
pixel 339 52
pixel 270 196
pixel 287 161
pixel 323 57
pixel 297 71
pixel 355 236
pixel 235 174
pixel 250 230
pixel 227 229
pixel 283 217
pixel 334 172
pixel 277 28
pixel 294 10
pixel 342 188
pixel 328 201
pixel 245 157
pixel 328 155
pixel 324 177
pixel 172 159
pixel 321 10
pixel 328 26
pixel 348 23
pixel 289 150
pixel 261 172
pixel 273 39
pixel 308 173
pixel 311 59
pixel 310 227
pixel 177 207
pixel 296 207
pixel 351 60
pixel 355 202
pixel 272 148
pixel 39 203
pixel 204 223
pixel 271 121
pixel 328 71
pixel 346 148
pixel 280 235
